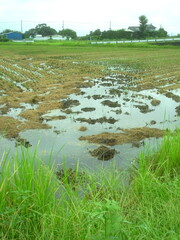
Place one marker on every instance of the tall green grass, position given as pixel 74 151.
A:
pixel 35 204
pixel 155 192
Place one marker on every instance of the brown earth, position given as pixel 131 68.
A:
pixel 83 129
pixel 98 120
pixel 144 108
pixel 178 110
pixel 103 153
pixel 155 102
pixel 9 126
pixel 127 136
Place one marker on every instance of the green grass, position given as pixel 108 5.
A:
pixel 35 204
pixel 41 47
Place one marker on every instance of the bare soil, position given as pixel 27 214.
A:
pixel 83 129
pixel 98 120
pixel 126 136
pixel 103 153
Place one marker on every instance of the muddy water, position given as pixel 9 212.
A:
pixel 109 105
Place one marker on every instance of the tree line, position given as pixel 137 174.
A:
pixel 142 31
pixel 44 30
pixel 125 34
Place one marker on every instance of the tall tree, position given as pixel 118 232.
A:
pixel 95 35
pixel 69 33
pixel 162 32
pixel 7 31
pixel 45 30
pixel 30 33
pixel 143 25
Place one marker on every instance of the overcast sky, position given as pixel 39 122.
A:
pixel 84 16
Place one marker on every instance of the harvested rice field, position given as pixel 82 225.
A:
pixel 82 100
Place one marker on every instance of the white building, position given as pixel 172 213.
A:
pixel 58 37
pixel 53 37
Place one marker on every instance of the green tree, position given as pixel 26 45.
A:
pixel 7 31
pixel 41 29
pixel 30 33
pixel 69 33
pixel 110 34
pixel 96 35
pixel 161 32
pixel 143 25
pixel 3 38
pixel 45 30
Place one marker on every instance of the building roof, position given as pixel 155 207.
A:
pixel 134 28
pixel 150 27
pixel 12 33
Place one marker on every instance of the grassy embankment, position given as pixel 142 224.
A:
pixel 36 205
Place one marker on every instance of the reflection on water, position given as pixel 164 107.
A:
pixel 106 106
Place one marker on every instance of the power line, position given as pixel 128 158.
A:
pixel 57 21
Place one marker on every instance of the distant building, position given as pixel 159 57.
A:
pixel 58 37
pixel 13 35
pixel 53 37
pixel 39 37
pixel 149 28
pixel 133 28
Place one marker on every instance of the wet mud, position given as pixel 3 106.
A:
pixel 144 108
pixel 126 136
pixel 98 120
pixel 53 118
pixel 110 104
pixel 138 144
pixel 22 142
pixel 103 153
pixel 69 103
pixel 88 109
pixel 173 96
pixel 95 97
pixel 155 102
pixel 178 110
pixel 83 129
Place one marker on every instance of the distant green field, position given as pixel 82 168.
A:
pixel 50 43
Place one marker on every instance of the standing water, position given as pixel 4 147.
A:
pixel 108 105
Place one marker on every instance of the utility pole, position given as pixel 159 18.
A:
pixel 63 25
pixel 110 25
pixel 21 26
pixel 62 28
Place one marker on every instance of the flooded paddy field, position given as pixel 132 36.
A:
pixel 92 105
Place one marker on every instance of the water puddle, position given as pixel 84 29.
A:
pixel 107 105
pixel 15 112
